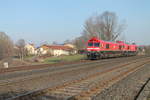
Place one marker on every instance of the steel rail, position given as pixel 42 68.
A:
pixel 43 91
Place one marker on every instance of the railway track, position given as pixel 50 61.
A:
pixel 41 66
pixel 11 88
pixel 143 92
pixel 62 70
pixel 87 87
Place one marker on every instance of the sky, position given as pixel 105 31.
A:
pixel 39 21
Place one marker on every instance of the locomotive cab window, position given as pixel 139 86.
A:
pixel 90 44
pixel 107 46
pixel 96 44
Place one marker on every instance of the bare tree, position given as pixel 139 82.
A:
pixel 54 43
pixel 6 46
pixel 44 43
pixel 104 26
pixel 21 50
pixel 110 26
pixel 78 43
pixel 67 41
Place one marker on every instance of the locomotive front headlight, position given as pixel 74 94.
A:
pixel 96 53
pixel 88 53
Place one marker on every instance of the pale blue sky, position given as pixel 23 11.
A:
pixel 57 20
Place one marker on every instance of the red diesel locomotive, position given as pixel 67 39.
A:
pixel 97 49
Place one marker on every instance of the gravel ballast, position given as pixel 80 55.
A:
pixel 145 92
pixel 128 88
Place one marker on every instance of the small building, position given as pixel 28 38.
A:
pixel 30 49
pixel 42 50
pixel 56 50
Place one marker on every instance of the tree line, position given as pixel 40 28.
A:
pixel 8 49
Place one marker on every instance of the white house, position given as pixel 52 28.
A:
pixel 30 49
pixel 55 50
pixel 41 51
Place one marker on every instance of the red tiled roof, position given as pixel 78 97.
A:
pixel 58 47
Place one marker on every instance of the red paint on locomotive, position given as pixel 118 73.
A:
pixel 102 48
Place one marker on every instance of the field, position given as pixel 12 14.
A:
pixel 70 58
pixel 49 60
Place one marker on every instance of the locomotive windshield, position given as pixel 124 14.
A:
pixel 96 44
pixel 90 44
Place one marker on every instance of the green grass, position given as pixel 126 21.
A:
pixel 69 58
pixel 30 56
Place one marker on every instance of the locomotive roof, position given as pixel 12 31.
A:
pixel 98 40
pixel 118 42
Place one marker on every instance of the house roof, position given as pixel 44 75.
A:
pixel 58 47
pixel 69 45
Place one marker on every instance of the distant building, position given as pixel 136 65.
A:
pixel 30 49
pixel 42 50
pixel 73 47
pixel 141 50
pixel 56 50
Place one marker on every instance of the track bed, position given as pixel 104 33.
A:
pixel 77 82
